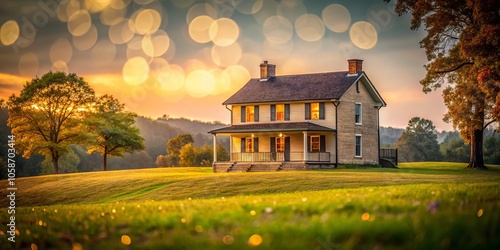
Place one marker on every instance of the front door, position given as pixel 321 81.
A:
pixel 280 148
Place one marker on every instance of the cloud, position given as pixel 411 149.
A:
pixel 10 84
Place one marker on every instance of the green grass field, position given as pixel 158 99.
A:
pixel 419 206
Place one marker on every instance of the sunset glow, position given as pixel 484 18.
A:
pixel 184 58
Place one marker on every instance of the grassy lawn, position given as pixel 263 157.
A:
pixel 419 206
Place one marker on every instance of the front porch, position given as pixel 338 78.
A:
pixel 280 157
pixel 279 146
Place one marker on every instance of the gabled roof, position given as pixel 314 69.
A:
pixel 272 127
pixel 318 86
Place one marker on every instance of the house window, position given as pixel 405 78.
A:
pixel 359 146
pixel 280 144
pixel 249 113
pixel 315 111
pixel 357 113
pixel 280 112
pixel 315 143
pixel 249 148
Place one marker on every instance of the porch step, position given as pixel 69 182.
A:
pixel 240 167
pixel 290 166
pixel 265 167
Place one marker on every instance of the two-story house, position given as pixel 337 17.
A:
pixel 302 121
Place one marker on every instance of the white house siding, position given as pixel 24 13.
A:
pixel 297 114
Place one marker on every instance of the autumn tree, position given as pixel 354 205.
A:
pixel 113 130
pixel 419 142
pixel 462 47
pixel 47 115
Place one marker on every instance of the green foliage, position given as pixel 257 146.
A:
pixel 113 130
pixel 167 161
pixel 492 149
pixel 67 164
pixel 419 142
pixel 174 145
pixel 454 149
pixel 46 117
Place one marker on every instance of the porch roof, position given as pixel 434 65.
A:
pixel 272 127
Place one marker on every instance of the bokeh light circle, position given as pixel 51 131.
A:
pixel 156 45
pixel 87 40
pixel 224 32
pixel 336 18
pixel 278 30
pixel 112 16
pixel 135 71
pixel 61 50
pixel 199 83
pixel 121 32
pixel 309 27
pixel 363 35
pixel 199 27
pixel 171 78
pixel 79 23
pixel 226 56
pixel 237 75
pixel 248 6
pixel 147 21
pixel 9 32
pixel 201 9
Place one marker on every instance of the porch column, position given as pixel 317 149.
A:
pixel 230 148
pixel 305 146
pixel 215 147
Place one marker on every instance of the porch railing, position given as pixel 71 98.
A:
pixel 389 154
pixel 272 156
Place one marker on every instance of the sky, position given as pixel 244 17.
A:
pixel 183 58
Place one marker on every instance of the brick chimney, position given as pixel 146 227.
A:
pixel 267 71
pixel 355 66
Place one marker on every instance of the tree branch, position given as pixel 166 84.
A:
pixel 452 69
pixel 488 123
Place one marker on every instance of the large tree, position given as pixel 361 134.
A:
pixel 113 130
pixel 419 141
pixel 462 44
pixel 47 115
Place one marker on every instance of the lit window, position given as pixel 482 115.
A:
pixel 315 143
pixel 280 144
pixel 359 145
pixel 315 111
pixel 357 113
pixel 280 112
pixel 250 113
pixel 249 145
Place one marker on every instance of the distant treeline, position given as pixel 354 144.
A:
pixel 157 133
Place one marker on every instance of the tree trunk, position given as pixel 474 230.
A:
pixel 55 162
pixel 104 158
pixel 476 160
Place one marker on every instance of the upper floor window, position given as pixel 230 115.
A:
pixel 280 112
pixel 315 111
pixel 357 113
pixel 249 113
